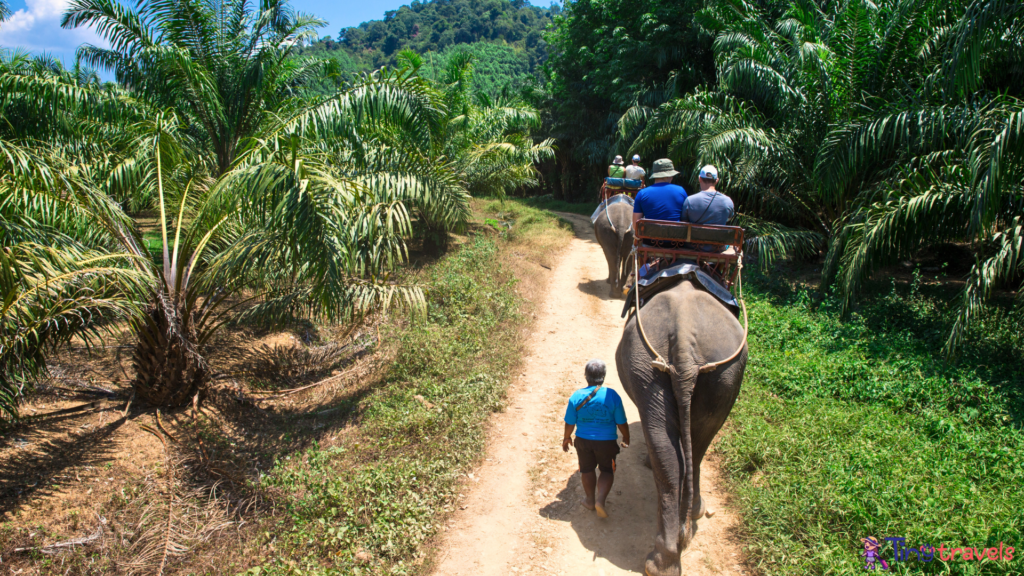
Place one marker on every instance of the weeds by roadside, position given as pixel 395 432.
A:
pixel 368 505
pixel 319 451
pixel 855 428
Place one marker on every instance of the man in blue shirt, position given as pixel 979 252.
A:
pixel 662 200
pixel 595 412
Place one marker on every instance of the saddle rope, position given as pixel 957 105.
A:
pixel 609 218
pixel 660 362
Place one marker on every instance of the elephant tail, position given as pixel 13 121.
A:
pixel 684 386
pixel 625 248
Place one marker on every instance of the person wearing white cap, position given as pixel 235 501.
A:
pixel 634 171
pixel 709 206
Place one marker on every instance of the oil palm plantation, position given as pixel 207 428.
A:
pixel 869 128
pixel 273 201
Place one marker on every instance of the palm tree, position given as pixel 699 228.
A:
pixel 278 235
pixel 482 146
pixel 874 127
pixel 272 203
pixel 224 67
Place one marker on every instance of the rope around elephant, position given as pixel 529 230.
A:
pixel 659 362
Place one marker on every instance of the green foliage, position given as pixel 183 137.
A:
pixel 849 429
pixel 385 491
pixel 497 67
pixel 606 56
pixel 219 64
pixel 854 126
pixel 434 26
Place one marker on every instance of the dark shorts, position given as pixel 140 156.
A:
pixel 596 454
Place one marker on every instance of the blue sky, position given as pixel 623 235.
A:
pixel 35 25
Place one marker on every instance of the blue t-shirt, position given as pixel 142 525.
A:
pixel 596 420
pixel 660 202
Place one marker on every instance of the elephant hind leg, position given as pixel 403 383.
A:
pixel 661 431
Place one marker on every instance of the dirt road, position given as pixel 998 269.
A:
pixel 522 511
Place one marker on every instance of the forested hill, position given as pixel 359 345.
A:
pixel 437 25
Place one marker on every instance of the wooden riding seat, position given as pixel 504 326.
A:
pixel 683 240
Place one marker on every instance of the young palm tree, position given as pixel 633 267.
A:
pixel 277 236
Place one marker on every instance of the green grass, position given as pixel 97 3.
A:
pixel 370 505
pixel 854 428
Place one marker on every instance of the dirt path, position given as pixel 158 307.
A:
pixel 521 511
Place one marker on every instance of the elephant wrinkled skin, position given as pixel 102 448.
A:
pixel 616 242
pixel 689 328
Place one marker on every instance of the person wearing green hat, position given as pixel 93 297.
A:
pixel 662 200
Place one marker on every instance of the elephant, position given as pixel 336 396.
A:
pixel 614 231
pixel 690 328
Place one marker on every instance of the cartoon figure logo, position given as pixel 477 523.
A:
pixel 871 557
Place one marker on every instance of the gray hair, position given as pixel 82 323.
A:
pixel 595 372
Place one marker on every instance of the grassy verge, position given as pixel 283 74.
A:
pixel 368 504
pixel 857 428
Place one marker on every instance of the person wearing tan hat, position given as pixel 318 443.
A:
pixel 662 200
pixel 616 170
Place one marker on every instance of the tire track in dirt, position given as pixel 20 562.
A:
pixel 521 511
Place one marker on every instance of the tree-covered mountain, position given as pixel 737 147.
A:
pixel 438 25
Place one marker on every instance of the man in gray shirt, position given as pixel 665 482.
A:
pixel 709 206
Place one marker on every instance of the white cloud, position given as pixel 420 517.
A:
pixel 36 28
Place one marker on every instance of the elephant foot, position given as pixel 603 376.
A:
pixel 686 534
pixel 657 565
pixel 700 509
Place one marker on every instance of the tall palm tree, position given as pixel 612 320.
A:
pixel 224 66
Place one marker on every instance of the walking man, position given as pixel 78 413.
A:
pixel 595 412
